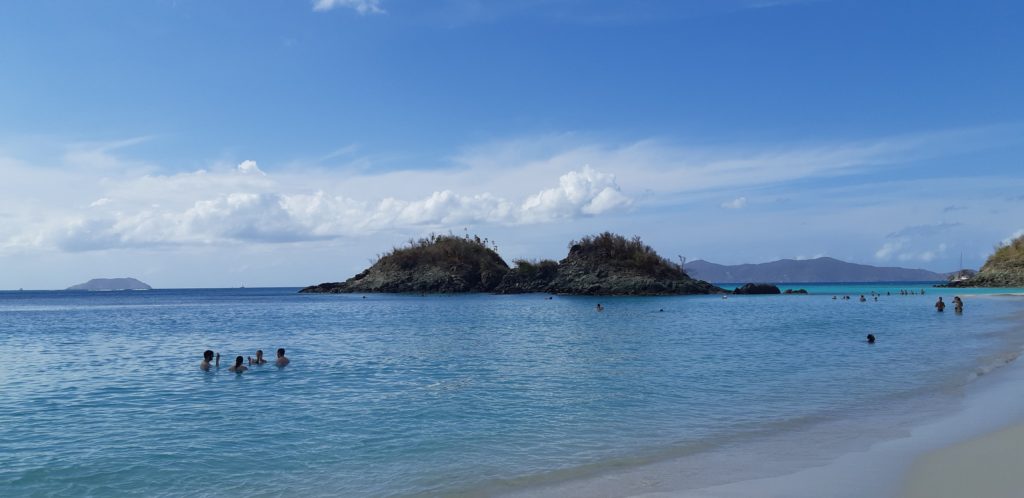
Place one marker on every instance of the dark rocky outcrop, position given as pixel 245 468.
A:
pixel 1004 268
pixel 438 264
pixel 795 291
pixel 757 289
pixel 605 264
pixel 111 284
pixel 529 276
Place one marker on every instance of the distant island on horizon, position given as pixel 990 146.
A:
pixel 111 284
pixel 817 270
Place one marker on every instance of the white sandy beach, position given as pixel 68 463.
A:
pixel 991 466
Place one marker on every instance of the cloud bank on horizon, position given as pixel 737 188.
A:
pixel 119 203
pixel 245 204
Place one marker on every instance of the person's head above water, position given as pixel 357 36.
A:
pixel 208 355
pixel 280 352
pixel 871 338
pixel 238 361
pixel 259 354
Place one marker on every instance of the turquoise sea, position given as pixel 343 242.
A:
pixel 388 395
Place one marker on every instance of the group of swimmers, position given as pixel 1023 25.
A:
pixel 876 295
pixel 862 298
pixel 238 367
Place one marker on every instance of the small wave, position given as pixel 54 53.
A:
pixel 994 364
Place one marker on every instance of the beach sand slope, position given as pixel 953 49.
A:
pixel 990 466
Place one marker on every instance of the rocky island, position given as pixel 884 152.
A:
pixel 604 264
pixel 758 289
pixel 111 284
pixel 1004 268
pixel 439 263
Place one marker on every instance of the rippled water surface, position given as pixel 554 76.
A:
pixel 392 395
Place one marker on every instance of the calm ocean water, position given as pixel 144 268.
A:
pixel 401 395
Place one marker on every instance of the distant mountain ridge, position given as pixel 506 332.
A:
pixel 818 270
pixel 111 284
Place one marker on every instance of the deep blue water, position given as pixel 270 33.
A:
pixel 399 394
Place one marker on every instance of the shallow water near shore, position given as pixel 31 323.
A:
pixel 406 395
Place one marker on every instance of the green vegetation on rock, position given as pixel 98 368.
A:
pixel 608 263
pixel 1011 255
pixel 1004 268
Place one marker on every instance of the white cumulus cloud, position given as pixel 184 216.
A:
pixel 361 6
pixel 888 249
pixel 586 192
pixel 903 250
pixel 737 203
pixel 1016 234
pixel 250 168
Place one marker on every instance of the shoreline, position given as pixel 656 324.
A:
pixel 901 458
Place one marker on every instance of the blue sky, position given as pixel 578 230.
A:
pixel 194 143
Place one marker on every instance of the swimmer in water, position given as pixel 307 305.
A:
pixel 599 307
pixel 282 360
pixel 940 306
pixel 258 360
pixel 862 299
pixel 958 305
pixel 871 338
pixel 239 367
pixel 207 358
